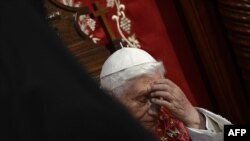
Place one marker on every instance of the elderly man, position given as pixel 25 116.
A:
pixel 137 80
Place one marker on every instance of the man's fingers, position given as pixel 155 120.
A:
pixel 161 102
pixel 163 94
pixel 161 87
pixel 161 81
pixel 165 81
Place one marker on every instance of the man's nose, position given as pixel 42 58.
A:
pixel 153 109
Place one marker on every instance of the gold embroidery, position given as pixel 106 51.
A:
pixel 173 133
pixel 163 139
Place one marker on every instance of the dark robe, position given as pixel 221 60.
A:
pixel 44 93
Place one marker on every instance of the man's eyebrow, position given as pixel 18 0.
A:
pixel 141 93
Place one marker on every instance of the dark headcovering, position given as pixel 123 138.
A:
pixel 44 93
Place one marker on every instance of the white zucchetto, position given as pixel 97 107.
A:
pixel 125 58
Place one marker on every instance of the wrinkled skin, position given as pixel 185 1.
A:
pixel 147 93
pixel 168 94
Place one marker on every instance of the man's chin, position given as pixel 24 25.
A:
pixel 149 126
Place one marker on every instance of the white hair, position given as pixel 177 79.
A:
pixel 118 82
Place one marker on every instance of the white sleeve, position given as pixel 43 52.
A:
pixel 214 127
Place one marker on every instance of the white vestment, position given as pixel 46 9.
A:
pixel 214 127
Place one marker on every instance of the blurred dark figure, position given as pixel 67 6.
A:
pixel 44 93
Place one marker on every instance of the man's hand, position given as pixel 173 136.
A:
pixel 168 94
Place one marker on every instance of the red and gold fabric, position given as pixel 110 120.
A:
pixel 170 129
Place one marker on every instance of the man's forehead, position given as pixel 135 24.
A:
pixel 143 82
